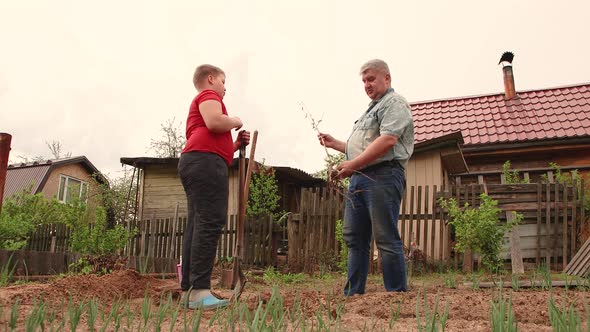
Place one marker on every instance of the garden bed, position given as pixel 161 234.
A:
pixel 316 303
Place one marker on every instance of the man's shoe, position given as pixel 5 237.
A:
pixel 208 303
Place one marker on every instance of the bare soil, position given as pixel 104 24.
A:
pixel 468 309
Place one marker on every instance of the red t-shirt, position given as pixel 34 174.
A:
pixel 200 138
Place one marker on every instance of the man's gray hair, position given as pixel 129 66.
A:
pixel 376 64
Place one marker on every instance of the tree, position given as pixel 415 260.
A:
pixel 56 150
pixel 171 141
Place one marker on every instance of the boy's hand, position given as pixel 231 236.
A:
pixel 243 138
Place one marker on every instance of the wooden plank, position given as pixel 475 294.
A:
pixel 556 222
pixel 565 234
pixel 411 226
pixel 292 243
pixel 404 202
pixel 432 226
pixel 539 197
pixel 173 235
pixel 419 219
pixel 580 262
pixel 425 221
pixel 574 239
pixel 548 224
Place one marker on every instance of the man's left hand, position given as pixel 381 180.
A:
pixel 345 169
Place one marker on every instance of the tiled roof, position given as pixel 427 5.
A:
pixel 554 113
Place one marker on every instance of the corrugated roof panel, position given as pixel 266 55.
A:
pixel 21 178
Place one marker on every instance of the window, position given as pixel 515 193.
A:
pixel 71 188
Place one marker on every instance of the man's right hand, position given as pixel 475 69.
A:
pixel 330 142
pixel 326 140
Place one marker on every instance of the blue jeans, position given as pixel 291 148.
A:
pixel 372 209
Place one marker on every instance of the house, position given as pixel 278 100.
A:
pixel 466 140
pixel 530 128
pixel 64 179
pixel 160 190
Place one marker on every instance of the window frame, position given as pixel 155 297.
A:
pixel 62 190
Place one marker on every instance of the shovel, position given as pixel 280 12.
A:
pixel 238 278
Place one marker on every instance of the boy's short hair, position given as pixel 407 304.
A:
pixel 203 71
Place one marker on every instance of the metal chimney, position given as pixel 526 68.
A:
pixel 506 61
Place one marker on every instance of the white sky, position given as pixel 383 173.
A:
pixel 101 76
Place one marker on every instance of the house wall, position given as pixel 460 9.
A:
pixel 77 171
pixel 423 169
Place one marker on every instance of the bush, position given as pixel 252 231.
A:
pixel 96 239
pixel 22 213
pixel 478 229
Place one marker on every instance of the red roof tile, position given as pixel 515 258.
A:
pixel 562 112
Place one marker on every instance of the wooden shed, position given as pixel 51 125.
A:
pixel 160 190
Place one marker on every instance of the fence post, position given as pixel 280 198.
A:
pixel 5 140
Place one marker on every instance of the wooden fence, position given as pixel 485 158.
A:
pixel 51 238
pixel 553 216
pixel 312 231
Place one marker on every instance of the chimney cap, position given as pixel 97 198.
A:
pixel 506 57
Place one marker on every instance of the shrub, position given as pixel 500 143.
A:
pixel 478 229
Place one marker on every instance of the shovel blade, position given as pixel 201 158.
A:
pixel 239 283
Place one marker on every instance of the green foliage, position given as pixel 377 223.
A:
pixel 343 257
pixel 23 212
pixel 565 319
pixel 570 178
pixel 503 318
pixel 264 195
pixel 512 176
pixel 113 195
pixel 330 163
pixel 430 320
pixel 273 277
pixel 478 229
pixel 6 272
pixel 96 239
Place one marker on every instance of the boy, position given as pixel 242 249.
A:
pixel 203 170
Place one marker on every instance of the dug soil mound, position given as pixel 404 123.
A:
pixel 123 284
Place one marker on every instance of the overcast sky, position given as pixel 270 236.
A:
pixel 101 76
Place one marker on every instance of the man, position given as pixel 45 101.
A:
pixel 377 152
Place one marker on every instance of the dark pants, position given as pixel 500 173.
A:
pixel 204 177
pixel 372 209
